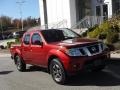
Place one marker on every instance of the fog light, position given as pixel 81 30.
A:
pixel 74 66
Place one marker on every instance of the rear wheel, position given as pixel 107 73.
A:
pixel 21 66
pixel 2 47
pixel 57 71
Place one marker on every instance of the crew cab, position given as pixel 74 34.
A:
pixel 62 51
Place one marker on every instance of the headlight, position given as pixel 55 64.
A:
pixel 74 52
pixel 103 46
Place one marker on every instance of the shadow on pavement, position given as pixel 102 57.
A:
pixel 110 76
pixel 5 72
pixel 94 79
pixel 36 68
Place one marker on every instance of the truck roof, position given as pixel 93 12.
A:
pixel 38 29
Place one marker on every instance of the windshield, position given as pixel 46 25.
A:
pixel 55 35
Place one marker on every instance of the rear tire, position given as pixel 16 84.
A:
pixel 57 71
pixel 21 66
pixel 2 47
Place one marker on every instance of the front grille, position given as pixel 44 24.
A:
pixel 82 51
pixel 91 50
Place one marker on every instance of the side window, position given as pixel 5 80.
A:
pixel 27 39
pixel 36 39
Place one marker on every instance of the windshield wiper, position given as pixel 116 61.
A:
pixel 66 37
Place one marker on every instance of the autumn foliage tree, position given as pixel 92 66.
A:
pixel 7 23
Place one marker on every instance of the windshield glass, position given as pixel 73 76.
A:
pixel 55 35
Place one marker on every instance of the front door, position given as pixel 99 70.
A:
pixel 37 49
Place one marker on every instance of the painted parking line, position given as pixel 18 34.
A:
pixel 4 55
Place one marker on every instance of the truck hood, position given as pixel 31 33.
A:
pixel 75 42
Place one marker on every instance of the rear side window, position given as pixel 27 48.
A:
pixel 27 39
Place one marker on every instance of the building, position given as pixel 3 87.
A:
pixel 70 12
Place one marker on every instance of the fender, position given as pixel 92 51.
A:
pixel 18 52
pixel 64 59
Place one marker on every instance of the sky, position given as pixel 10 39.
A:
pixel 12 9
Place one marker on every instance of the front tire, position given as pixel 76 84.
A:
pixel 57 71
pixel 21 66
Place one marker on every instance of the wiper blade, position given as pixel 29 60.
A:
pixel 69 37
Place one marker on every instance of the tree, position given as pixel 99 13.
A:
pixel 16 23
pixel 32 21
pixel 5 22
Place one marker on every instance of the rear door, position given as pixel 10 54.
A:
pixel 26 49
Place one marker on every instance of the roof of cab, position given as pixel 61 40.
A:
pixel 35 29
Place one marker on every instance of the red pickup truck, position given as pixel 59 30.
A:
pixel 61 51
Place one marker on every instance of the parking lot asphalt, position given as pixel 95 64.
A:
pixel 36 78
pixel 4 51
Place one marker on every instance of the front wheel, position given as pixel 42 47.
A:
pixel 57 71
pixel 21 66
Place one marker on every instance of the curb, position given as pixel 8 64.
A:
pixel 115 55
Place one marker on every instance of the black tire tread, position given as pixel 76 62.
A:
pixel 23 65
pixel 56 60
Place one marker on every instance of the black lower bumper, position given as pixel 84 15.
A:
pixel 94 65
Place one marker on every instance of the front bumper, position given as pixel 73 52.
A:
pixel 77 64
